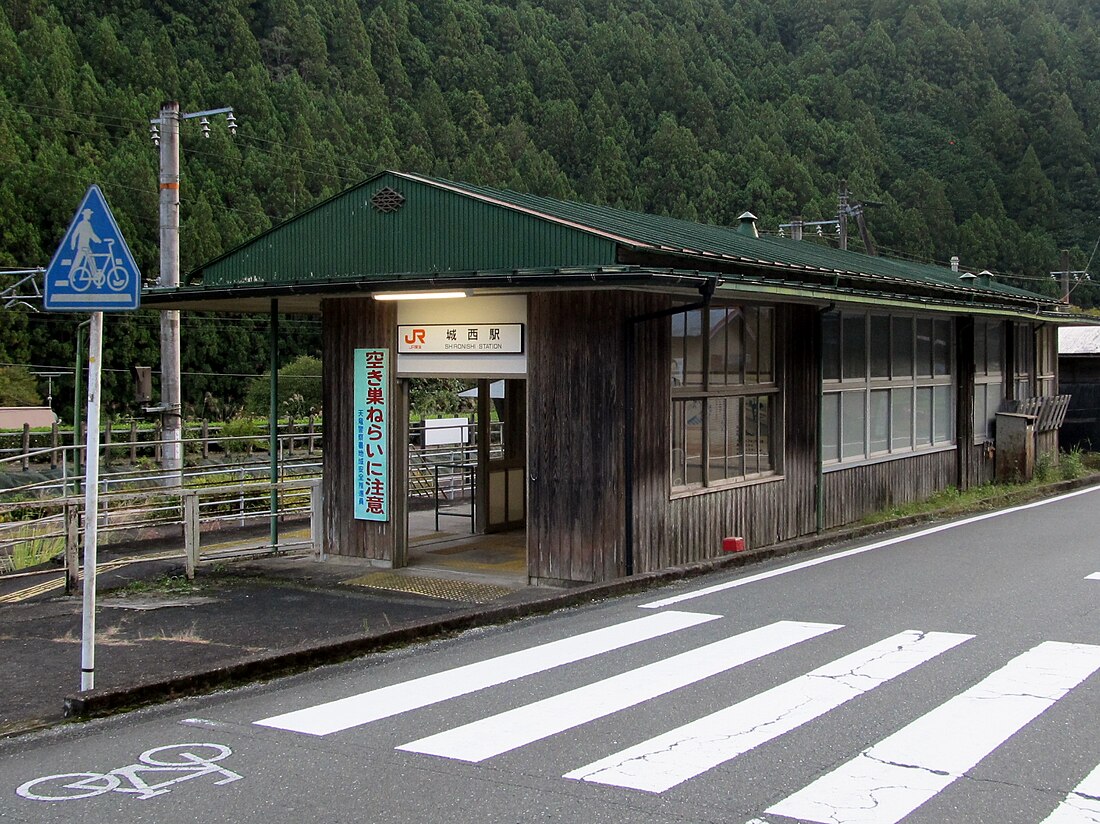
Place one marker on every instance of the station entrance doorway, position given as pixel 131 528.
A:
pixel 467 489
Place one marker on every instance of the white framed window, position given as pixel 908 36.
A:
pixel 725 396
pixel 888 386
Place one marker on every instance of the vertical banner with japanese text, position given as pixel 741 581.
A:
pixel 372 426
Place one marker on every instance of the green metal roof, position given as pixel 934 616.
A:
pixel 437 228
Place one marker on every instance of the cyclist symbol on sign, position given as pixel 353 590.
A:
pixel 90 267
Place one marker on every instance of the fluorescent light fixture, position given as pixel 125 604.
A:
pixel 417 295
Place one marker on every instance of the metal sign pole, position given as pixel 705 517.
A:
pixel 91 504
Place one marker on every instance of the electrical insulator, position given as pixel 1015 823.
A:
pixel 205 122
pixel 819 232
pixel 154 133
pixel 232 123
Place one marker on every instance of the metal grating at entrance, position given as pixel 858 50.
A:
pixel 447 588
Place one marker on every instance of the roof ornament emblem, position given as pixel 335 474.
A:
pixel 387 200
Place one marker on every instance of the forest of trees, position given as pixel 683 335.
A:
pixel 974 123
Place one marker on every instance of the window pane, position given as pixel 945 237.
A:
pixel 853 426
pixel 765 344
pixel 924 347
pixel 830 427
pixel 750 336
pixel 880 420
pixel 981 414
pixel 855 346
pixel 687 349
pixel 994 347
pixel 727 447
pixel 923 434
pixel 994 397
pixel 880 346
pixel 758 434
pixel 725 346
pixel 687 443
pixel 901 419
pixel 830 341
pixel 901 347
pixel 981 356
pixel 941 347
pixel 943 415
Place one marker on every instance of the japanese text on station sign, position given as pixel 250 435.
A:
pixel 372 412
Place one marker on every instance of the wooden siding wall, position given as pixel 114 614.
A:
pixel 691 528
pixel 964 404
pixel 575 413
pixel 851 494
pixel 349 324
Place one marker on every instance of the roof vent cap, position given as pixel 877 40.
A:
pixel 968 276
pixel 748 224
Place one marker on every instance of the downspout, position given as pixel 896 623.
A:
pixel 819 341
pixel 706 289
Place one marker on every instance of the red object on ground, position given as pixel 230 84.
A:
pixel 733 544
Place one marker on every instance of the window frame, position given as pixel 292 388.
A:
pixel 988 374
pixel 928 372
pixel 742 385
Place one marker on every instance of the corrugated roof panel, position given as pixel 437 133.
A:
pixel 447 226
pixel 671 233
pixel 346 237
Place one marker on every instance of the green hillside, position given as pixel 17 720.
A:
pixel 974 123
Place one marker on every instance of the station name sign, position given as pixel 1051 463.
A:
pixel 462 338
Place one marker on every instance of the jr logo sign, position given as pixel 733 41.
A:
pixel 414 338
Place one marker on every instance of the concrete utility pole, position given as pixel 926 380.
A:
pixel 842 214
pixel 166 134
pixel 170 398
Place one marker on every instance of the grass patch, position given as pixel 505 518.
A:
pixel 161 585
pixel 31 547
pixel 1071 465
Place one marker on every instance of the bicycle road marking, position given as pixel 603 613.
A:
pixel 187 759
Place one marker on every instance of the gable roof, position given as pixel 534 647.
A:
pixel 398 229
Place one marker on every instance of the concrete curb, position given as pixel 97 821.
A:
pixel 92 703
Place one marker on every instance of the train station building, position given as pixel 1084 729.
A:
pixel 668 386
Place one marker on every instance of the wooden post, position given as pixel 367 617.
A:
pixel 205 439
pixel 191 533
pixel 290 434
pixel 72 548
pixel 310 441
pixel 316 526
pixel 26 446
pixel 156 442
pixel 133 441
pixel 107 443
pixel 55 439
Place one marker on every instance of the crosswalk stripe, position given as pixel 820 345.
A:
pixel 669 759
pixel 508 730
pixel 363 708
pixel 885 783
pixel 1081 806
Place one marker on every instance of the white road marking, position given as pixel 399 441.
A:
pixel 1094 577
pixel 885 783
pixel 672 758
pixel 752 579
pixel 508 730
pixel 1082 806
pixel 363 708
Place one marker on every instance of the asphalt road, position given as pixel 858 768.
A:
pixel 951 674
